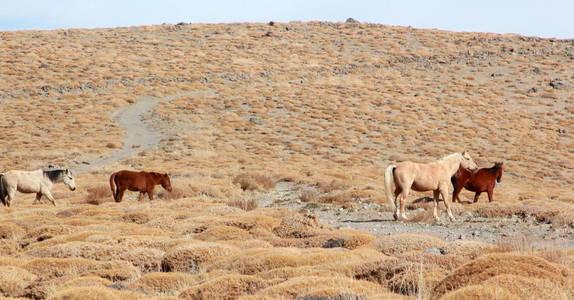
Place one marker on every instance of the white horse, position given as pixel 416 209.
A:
pixel 434 176
pixel 38 181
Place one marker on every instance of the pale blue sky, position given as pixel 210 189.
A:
pixel 544 18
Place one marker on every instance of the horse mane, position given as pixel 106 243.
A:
pixel 449 156
pixel 495 168
pixel 54 175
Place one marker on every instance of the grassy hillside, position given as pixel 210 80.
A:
pixel 246 106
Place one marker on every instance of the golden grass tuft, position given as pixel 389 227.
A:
pixel 171 283
pixel 226 287
pixel 146 259
pixel 190 258
pixel 98 195
pixel 478 292
pixel 298 226
pixel 14 281
pixel 405 242
pixel 326 287
pixel 489 265
pixel 254 182
pixel 217 233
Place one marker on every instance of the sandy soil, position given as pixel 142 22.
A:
pixel 374 218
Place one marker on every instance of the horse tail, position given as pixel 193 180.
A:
pixel 389 177
pixel 2 190
pixel 113 185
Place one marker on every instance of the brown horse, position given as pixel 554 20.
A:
pixel 433 176
pixel 483 180
pixel 143 182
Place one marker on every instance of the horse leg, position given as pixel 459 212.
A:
pixel 10 193
pixel 490 192
pixel 47 194
pixel 140 197
pixel 435 194
pixel 403 198
pixel 397 203
pixel 150 193
pixel 476 195
pixel 37 200
pixel 120 194
pixel 443 192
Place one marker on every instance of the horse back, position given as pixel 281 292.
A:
pixel 481 180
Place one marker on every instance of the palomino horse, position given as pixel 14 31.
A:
pixel 483 180
pixel 433 176
pixel 38 181
pixel 143 182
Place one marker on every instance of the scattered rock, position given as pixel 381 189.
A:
pixel 435 251
pixel 351 20
pixel 557 83
pixel 334 243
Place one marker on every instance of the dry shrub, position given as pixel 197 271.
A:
pixel 115 270
pixel 217 233
pixel 9 247
pixel 311 287
pixel 45 232
pixel 244 204
pixel 87 281
pixel 14 281
pixel 190 257
pixel 11 231
pixel 228 286
pixel 489 265
pixel 467 248
pixel 529 287
pixel 175 194
pixel 479 292
pixel 298 226
pixel 79 249
pixel 50 268
pixel 254 182
pixel 98 195
pixel 137 217
pixel 171 283
pixel 278 275
pixel 405 242
pixel 309 196
pixel 255 260
pixel 353 239
pixel 146 259
pixel 95 292
pixel 415 278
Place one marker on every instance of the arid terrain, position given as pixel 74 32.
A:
pixel 276 137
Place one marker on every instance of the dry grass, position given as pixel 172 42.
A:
pixel 324 106
pixel 98 195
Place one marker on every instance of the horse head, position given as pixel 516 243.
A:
pixel 68 179
pixel 467 162
pixel 165 182
pixel 498 166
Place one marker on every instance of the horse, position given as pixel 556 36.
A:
pixel 38 181
pixel 420 177
pixel 483 180
pixel 143 182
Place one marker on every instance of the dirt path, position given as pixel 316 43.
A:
pixel 524 232
pixel 138 136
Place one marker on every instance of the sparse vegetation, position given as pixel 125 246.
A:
pixel 245 109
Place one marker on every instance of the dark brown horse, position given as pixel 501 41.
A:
pixel 483 180
pixel 143 182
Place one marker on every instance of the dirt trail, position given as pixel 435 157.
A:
pixel 371 218
pixel 138 135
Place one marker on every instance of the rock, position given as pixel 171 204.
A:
pixel 351 20
pixel 435 251
pixel 334 243
pixel 557 83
